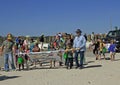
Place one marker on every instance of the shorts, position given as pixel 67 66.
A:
pixel 112 53
pixel 101 53
pixel 95 51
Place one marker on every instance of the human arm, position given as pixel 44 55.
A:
pixel 1 49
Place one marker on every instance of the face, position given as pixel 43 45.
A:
pixel 78 33
pixel 68 37
pixel 68 46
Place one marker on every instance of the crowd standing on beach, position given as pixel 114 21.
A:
pixel 73 47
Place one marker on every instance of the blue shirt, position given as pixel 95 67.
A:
pixel 112 48
pixel 80 42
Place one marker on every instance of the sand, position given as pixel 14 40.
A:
pixel 100 72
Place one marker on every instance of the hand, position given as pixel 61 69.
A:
pixel 77 48
pixel 66 50
pixel 73 49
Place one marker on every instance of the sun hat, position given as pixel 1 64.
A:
pixel 78 30
pixel 9 36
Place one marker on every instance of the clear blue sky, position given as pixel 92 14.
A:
pixel 33 17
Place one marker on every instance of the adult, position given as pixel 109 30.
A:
pixel 7 50
pixel 80 48
pixel 93 36
pixel 42 40
pixel 69 42
pixel 26 42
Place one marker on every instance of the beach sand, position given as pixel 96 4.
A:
pixel 100 72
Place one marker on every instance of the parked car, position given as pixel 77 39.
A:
pixel 113 35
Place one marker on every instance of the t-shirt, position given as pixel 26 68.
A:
pixel 70 55
pixel 112 48
pixel 8 45
pixel 31 46
pixel 96 45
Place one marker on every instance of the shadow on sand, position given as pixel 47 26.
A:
pixel 117 60
pixel 90 61
pixel 3 77
pixel 93 66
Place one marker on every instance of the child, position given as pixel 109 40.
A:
pixel 112 50
pixel 20 59
pixel 69 58
pixel 96 48
pixel 101 48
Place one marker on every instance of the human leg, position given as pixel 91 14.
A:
pixel 11 61
pixel 6 65
pixel 76 59
pixel 81 58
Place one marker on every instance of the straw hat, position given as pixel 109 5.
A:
pixel 9 36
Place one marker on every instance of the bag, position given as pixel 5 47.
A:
pixel 104 50
pixel 20 60
pixel 65 55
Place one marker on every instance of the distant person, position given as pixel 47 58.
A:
pixel 7 49
pixel 17 41
pixel 32 44
pixel 36 49
pixel 80 46
pixel 93 36
pixel 85 35
pixel 26 42
pixel 42 40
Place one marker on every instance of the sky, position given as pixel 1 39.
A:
pixel 34 17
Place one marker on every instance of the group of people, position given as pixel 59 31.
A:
pixel 11 49
pixel 78 47
pixel 100 49
pixel 73 47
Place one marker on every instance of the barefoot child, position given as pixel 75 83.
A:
pixel 112 50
